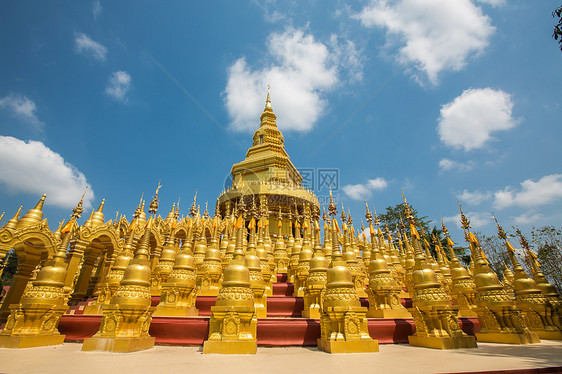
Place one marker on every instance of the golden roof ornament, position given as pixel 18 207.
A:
pixel 343 216
pixel 332 209
pixel 368 215
pixel 139 208
pixel 501 233
pixel 153 207
pixel 444 228
pixel 33 216
pixel 193 209
pixel 11 224
pixel 206 212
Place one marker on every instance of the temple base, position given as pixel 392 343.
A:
pixel 464 313
pixel 451 342
pixel 237 347
pixel 313 313
pixel 261 311
pixel 508 338
pixel 175 311
pixel 549 335
pixel 28 341
pixel 209 291
pixel 348 346
pixel 118 344
pixel 93 309
pixel 389 313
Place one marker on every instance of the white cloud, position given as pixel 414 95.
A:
pixel 304 69
pixel 448 164
pixel 347 57
pixel 362 191
pixel 96 9
pixel 118 85
pixel 84 45
pixel 21 107
pixel 528 218
pixel 357 191
pixel 477 220
pixel 474 198
pixel 532 194
pixel 31 167
pixel 433 35
pixel 468 121
pixel 494 3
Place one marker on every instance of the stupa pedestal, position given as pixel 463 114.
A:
pixel 126 319
pixel 233 324
pixel 343 323
pixel 178 292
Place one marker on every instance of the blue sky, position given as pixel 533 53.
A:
pixel 449 100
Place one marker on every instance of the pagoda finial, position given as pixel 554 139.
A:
pixel 501 233
pixel 368 214
pixel 153 207
pixel 193 209
pixel 332 208
pixel 268 100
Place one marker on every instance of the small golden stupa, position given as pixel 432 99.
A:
pixel 535 308
pixel 462 286
pixel 34 321
pixel 343 321
pixel 437 324
pixel 383 291
pixel 500 320
pixel 178 292
pixel 233 324
pixel 316 281
pixel 126 319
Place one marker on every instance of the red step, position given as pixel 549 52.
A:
pixel 270 331
pixel 204 304
pixel 284 306
pixel 283 289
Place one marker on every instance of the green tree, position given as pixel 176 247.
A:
pixel 548 243
pixel 10 266
pixel 393 214
pixel 496 252
pixel 557 34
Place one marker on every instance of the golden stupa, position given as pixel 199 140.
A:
pixel 261 251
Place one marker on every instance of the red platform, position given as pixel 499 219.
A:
pixel 283 327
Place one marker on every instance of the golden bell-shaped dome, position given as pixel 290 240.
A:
pixel 525 285
pixel 378 265
pixel 97 217
pixel 236 276
pixel 339 276
pixel 33 216
pixel 318 263
pixel 184 260
pixel 486 280
pixel 213 254
pixel 425 278
pixel 252 262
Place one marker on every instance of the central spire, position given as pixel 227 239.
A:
pixel 268 118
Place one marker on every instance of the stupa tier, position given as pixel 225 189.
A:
pixel 224 280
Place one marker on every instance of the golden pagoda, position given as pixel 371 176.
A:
pixel 34 321
pixel 462 286
pixel 535 308
pixel 437 324
pixel 383 291
pixel 500 319
pixel 268 176
pixel 126 319
pixel 232 329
